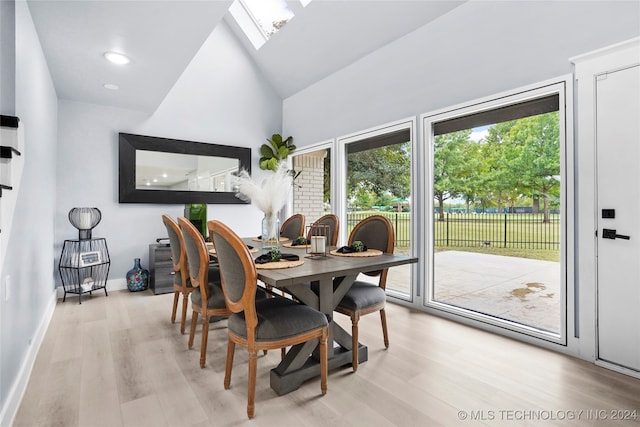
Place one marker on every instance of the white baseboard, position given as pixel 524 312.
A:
pixel 618 368
pixel 14 397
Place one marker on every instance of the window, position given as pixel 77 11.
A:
pixel 261 19
pixel 496 211
pixel 378 180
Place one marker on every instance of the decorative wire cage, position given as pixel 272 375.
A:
pixel 318 239
pixel 84 219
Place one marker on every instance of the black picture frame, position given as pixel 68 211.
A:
pixel 130 144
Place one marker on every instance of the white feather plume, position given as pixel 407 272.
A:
pixel 271 194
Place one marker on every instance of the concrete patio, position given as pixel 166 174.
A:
pixel 523 290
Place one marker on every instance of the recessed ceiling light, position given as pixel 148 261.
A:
pixel 117 58
pixel 111 86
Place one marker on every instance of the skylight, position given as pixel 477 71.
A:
pixel 261 19
pixel 271 15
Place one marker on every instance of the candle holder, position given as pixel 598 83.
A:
pixel 84 219
pixel 318 235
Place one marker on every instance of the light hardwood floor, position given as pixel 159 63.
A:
pixel 118 361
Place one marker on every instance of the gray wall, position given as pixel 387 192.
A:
pixel 7 58
pixel 478 49
pixel 221 98
pixel 29 260
pixel 71 153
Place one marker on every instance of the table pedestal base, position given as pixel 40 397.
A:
pixel 283 383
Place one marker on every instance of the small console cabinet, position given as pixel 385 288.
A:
pixel 160 269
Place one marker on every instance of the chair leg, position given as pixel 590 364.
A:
pixel 231 346
pixel 253 362
pixel 283 353
pixel 324 362
pixel 176 296
pixel 205 338
pixel 192 332
pixel 185 306
pixel 385 334
pixel 354 341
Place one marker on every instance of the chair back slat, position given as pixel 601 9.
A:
pixel 197 257
pixel 237 271
pixel 334 227
pixel 376 232
pixel 178 254
pixel 293 227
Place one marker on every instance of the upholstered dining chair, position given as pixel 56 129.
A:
pixel 334 227
pixel 363 298
pixel 181 280
pixel 206 299
pixel 261 324
pixel 293 227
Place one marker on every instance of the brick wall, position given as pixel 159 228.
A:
pixel 308 188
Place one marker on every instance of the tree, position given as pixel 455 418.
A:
pixel 450 172
pixel 502 179
pixel 538 142
pixel 380 170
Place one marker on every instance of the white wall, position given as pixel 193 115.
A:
pixel 220 98
pixel 29 260
pixel 478 49
pixel 7 58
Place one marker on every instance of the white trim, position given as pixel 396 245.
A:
pixel 327 144
pixel 19 386
pixel 563 86
pixel 248 24
pixel 586 69
pixel 618 368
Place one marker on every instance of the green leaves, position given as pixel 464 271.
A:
pixel 275 254
pixel 277 150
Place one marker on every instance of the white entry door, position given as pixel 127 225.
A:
pixel 618 186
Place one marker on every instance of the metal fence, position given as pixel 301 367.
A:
pixel 510 230
pixel 401 224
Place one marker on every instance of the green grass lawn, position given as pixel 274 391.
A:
pixel 527 235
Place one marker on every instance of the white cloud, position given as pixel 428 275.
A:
pixel 477 135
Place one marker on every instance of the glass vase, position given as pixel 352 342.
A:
pixel 270 232
pixel 137 277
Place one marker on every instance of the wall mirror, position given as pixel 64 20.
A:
pixel 164 170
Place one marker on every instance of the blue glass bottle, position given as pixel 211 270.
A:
pixel 137 277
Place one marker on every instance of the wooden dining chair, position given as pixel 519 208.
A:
pixel 206 299
pixel 293 227
pixel 261 324
pixel 334 227
pixel 181 281
pixel 363 298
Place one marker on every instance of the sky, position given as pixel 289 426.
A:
pixel 268 11
pixel 479 133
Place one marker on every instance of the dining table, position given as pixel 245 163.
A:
pixel 320 281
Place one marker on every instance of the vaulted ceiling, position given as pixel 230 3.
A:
pixel 163 36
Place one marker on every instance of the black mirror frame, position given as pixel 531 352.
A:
pixel 128 193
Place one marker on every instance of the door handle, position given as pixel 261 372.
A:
pixel 611 234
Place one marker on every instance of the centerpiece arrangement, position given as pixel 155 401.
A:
pixel 270 195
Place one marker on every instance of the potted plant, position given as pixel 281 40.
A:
pixel 276 151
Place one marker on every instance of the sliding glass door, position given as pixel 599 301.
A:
pixel 496 207
pixel 378 181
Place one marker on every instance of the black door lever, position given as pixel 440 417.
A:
pixel 611 234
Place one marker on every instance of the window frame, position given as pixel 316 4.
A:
pixel 563 87
pixel 340 184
